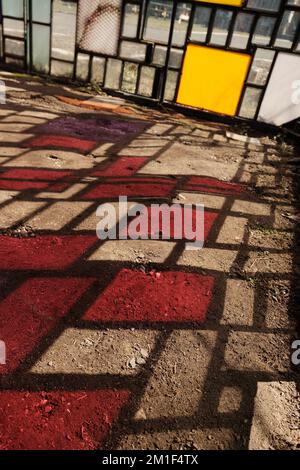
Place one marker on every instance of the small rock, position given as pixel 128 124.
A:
pixel 132 363
pixel 242 138
pixel 140 361
pixel 144 353
pixel 140 415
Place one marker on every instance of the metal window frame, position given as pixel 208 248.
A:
pixel 161 71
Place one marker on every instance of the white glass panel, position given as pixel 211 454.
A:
pixel 41 11
pixel 40 47
pixel 13 8
pixel 281 103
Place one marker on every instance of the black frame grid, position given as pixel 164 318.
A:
pixel 159 91
pixel 8 57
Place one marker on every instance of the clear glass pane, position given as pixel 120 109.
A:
pixel 13 27
pixel 171 84
pixel 113 74
pixel 41 11
pixel 221 27
pixel 261 66
pixel 19 63
pixel 181 24
pixel 130 73
pixel 61 69
pixel 131 20
pixel 13 8
pixel 98 68
pixel 1 43
pixel 268 5
pixel 263 31
pixel 287 29
pixel 146 81
pixel 250 103
pixel 158 20
pixel 40 47
pixel 12 46
pixel 200 24
pixel 242 27
pixel 82 68
pixel 175 59
pixel 159 55
pixel 133 50
pixel 64 30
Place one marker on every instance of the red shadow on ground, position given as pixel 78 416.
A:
pixel 42 252
pixel 31 312
pixel 124 166
pixel 14 185
pixel 160 297
pixel 61 141
pixel 132 187
pixel 35 175
pixel 79 420
pixel 210 185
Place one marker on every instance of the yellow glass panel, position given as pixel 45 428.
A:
pixel 236 3
pixel 213 79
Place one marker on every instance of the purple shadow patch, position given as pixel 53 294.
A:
pixel 91 128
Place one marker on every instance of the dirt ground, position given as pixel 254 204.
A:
pixel 126 344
